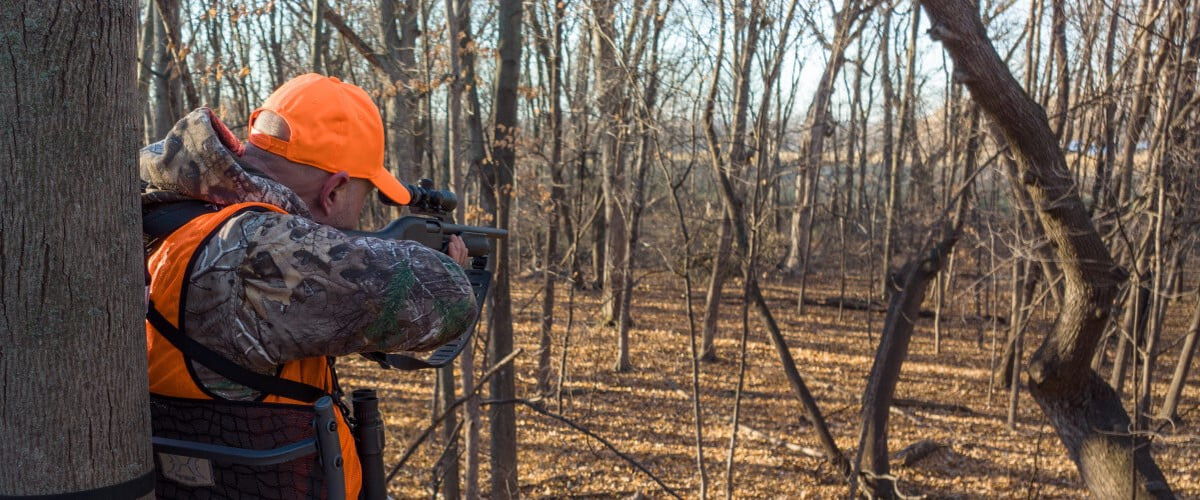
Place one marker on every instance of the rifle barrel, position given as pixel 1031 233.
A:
pixel 490 232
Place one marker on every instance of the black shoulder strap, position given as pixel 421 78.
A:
pixel 163 219
pixel 224 367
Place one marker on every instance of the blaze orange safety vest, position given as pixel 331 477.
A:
pixel 170 374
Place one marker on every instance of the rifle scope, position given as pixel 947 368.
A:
pixel 426 199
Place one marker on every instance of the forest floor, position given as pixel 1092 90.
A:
pixel 647 412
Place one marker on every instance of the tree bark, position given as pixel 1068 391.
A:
pixel 449 465
pixel 168 10
pixel 1170 407
pixel 314 37
pixel 908 291
pixel 814 145
pixel 73 390
pixel 549 45
pixel 1136 313
pixel 146 45
pixel 716 283
pixel 1085 411
pixel 891 197
pixel 610 80
pixel 497 193
pixel 458 22
pixel 405 137
pixel 168 88
pixel 395 67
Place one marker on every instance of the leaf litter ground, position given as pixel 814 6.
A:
pixel 647 412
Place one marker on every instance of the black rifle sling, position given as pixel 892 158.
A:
pixel 160 222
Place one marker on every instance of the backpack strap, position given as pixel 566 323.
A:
pixel 157 224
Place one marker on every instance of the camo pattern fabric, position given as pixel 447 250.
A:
pixel 269 288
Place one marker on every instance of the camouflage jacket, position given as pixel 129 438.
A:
pixel 269 288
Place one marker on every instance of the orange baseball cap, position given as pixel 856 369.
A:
pixel 334 127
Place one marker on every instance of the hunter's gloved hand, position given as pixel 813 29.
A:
pixel 457 250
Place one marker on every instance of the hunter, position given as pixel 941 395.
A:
pixel 254 265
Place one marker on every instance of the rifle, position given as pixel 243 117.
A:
pixel 430 223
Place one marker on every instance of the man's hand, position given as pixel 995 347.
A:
pixel 457 250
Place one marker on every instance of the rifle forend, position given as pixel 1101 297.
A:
pixel 431 224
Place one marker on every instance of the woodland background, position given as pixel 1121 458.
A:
pixel 700 191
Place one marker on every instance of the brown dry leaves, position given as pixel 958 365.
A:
pixel 647 412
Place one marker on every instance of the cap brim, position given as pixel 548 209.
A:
pixel 391 191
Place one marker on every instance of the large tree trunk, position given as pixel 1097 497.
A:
pixel 737 163
pixel 814 145
pixel 889 168
pixel 168 10
pixel 645 114
pixel 73 386
pixel 549 46
pixel 167 103
pixel 449 464
pixel 906 133
pixel 1085 411
pixel 314 37
pixel 146 44
pixel 462 63
pixel 497 193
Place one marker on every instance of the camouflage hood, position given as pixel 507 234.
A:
pixel 199 159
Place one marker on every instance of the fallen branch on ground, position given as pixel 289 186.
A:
pixel 931 405
pixel 761 436
pixel 917 451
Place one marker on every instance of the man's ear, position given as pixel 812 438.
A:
pixel 330 191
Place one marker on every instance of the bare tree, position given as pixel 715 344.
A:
pixel 497 192
pixel 396 67
pixel 1084 410
pixel 735 205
